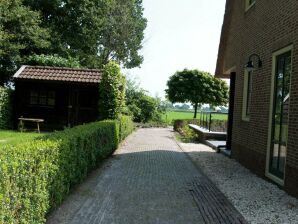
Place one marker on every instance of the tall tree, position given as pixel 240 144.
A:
pixel 52 60
pixel 196 87
pixel 96 31
pixel 20 36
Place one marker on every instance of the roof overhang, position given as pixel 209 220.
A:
pixel 58 74
pixel 226 74
pixel 17 74
pixel 221 71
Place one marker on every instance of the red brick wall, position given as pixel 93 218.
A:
pixel 268 26
pixel 250 159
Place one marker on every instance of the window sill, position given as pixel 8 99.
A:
pixel 274 178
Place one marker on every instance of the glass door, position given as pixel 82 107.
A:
pixel 280 116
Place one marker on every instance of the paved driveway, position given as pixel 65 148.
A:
pixel 149 180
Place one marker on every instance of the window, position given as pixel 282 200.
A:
pixel 247 96
pixel 249 4
pixel 34 97
pixel 42 97
pixel 279 114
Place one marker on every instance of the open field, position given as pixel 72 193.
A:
pixel 174 115
pixel 14 137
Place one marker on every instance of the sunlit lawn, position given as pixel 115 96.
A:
pixel 174 115
pixel 14 137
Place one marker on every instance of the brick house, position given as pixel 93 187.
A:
pixel 63 97
pixel 259 53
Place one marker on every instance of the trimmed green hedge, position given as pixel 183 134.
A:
pixel 26 177
pixel 36 177
pixel 80 149
pixel 5 108
pixel 126 127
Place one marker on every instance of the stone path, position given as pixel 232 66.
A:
pixel 149 180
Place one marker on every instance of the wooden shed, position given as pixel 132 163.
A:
pixel 63 97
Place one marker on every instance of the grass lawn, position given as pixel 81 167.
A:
pixel 173 115
pixel 14 137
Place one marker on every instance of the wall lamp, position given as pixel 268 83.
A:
pixel 250 65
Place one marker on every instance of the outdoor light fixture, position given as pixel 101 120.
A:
pixel 250 65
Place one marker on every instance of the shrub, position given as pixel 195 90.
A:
pixel 5 108
pixel 126 126
pixel 142 107
pixel 80 150
pixel 178 124
pixel 35 177
pixel 26 174
pixel 111 92
pixel 187 134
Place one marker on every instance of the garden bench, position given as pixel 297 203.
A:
pixel 36 120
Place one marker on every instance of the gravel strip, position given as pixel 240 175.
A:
pixel 259 201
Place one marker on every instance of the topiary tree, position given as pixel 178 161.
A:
pixel 5 108
pixel 197 87
pixel 111 92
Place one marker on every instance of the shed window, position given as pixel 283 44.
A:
pixel 42 97
pixel 34 97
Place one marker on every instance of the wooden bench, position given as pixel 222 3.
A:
pixel 36 120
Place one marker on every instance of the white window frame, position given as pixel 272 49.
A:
pixel 246 117
pixel 279 181
pixel 249 5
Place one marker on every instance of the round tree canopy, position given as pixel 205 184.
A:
pixel 197 87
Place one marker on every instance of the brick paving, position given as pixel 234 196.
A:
pixel 149 180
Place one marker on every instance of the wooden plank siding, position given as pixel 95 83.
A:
pixel 75 103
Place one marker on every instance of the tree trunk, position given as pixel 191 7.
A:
pixel 196 110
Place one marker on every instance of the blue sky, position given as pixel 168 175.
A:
pixel 180 34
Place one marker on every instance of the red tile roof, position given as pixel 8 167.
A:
pixel 59 74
